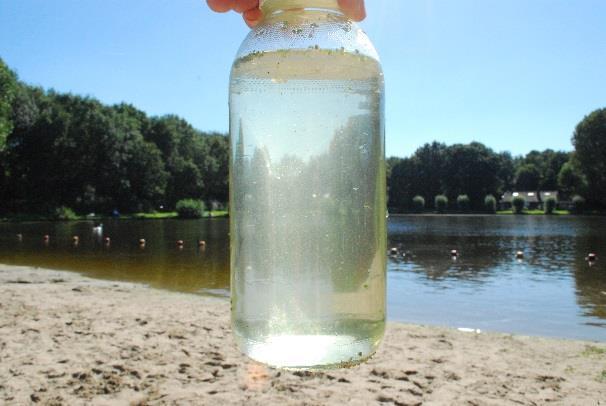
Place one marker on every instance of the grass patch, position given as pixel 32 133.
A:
pixel 535 212
pixel 134 216
pixel 217 213
pixel 151 216
pixel 170 215
pixel 20 218
pixel 602 376
pixel 593 350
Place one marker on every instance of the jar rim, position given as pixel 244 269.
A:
pixel 268 6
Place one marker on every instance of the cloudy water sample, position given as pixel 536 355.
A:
pixel 307 207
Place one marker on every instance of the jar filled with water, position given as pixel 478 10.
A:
pixel 307 189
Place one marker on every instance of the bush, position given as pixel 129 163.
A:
pixel 190 208
pixel 463 202
pixel 550 205
pixel 441 203
pixel 63 213
pixel 518 204
pixel 418 203
pixel 490 204
pixel 578 204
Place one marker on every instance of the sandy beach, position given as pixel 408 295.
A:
pixel 67 339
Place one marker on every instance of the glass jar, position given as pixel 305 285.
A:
pixel 307 189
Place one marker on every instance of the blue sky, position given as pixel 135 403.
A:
pixel 516 75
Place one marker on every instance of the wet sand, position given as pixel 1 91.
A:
pixel 67 339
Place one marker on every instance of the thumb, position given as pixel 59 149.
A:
pixel 353 9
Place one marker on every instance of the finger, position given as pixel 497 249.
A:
pixel 253 17
pixel 243 5
pixel 220 6
pixel 353 9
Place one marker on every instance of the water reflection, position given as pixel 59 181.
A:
pixel 159 262
pixel 590 280
pixel 551 291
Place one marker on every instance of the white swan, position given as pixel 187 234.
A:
pixel 98 229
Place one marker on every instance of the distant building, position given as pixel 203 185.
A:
pixel 534 199
pixel 552 193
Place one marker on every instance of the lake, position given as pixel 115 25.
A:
pixel 552 291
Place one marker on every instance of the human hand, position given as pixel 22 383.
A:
pixel 249 9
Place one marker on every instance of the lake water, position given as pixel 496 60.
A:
pixel 552 291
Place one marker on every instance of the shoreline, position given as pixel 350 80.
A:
pixel 70 339
pixel 480 214
pixel 31 218
pixel 222 214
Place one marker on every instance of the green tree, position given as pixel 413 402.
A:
pixel 553 162
pixel 470 170
pixel 389 164
pixel 177 142
pixel 548 164
pixel 214 165
pixel 31 155
pixel 490 204
pixel 518 204
pixel 418 203
pixel 589 140
pixel 146 175
pixel 463 203
pixel 428 170
pixel 196 162
pixel 8 91
pixel 578 204
pixel 63 213
pixel 441 203
pixel 403 184
pixel 190 208
pixel 420 174
pixel 73 151
pixel 571 180
pixel 505 172
pixel 550 205
pixel 527 177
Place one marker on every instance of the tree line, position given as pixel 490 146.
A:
pixel 470 170
pixel 66 150
pixel 61 149
pixel 471 173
